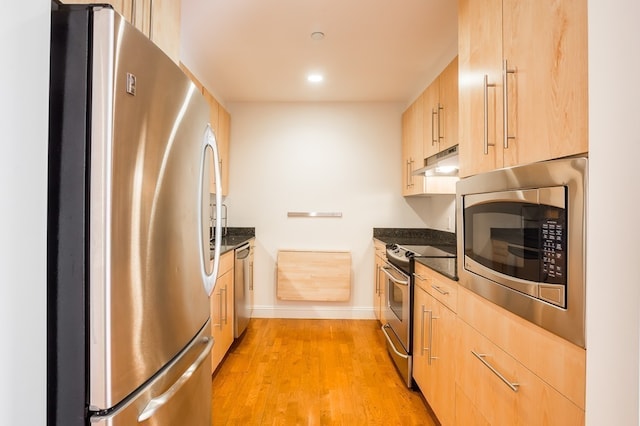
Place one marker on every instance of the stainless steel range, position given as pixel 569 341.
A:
pixel 399 304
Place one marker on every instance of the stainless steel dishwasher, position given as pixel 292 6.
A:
pixel 243 287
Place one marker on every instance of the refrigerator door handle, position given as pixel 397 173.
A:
pixel 209 141
pixel 156 403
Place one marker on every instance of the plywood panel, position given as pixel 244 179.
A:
pixel 323 276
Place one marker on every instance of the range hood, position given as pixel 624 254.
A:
pixel 444 163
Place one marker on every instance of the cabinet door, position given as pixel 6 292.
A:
pixel 480 104
pixel 221 318
pixel 502 390
pixel 165 26
pixel 420 357
pixel 433 355
pixel 545 45
pixel 221 305
pixel 431 119
pixel 448 116
pixel 412 147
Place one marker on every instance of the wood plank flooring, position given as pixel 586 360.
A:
pixel 313 372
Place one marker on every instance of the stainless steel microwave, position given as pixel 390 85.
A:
pixel 521 242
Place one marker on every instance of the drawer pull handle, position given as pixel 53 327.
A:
pixel 440 290
pixel 481 357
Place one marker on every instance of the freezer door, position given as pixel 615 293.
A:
pixel 179 395
pixel 147 296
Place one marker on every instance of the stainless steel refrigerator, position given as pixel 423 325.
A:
pixel 129 270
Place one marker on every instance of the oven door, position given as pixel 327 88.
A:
pixel 396 327
pixel 397 309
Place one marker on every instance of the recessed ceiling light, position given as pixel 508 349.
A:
pixel 317 35
pixel 315 78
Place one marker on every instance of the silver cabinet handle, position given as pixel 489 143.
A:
pixel 434 135
pixel 440 114
pixel 439 290
pixel 384 331
pixel 418 276
pixel 377 280
pixel 156 403
pixel 505 100
pixel 486 114
pixel 226 319
pixel 408 173
pixel 481 357
pixel 431 318
pixel 219 309
pixel 251 276
pixel 422 348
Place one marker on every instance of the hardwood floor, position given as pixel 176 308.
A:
pixel 313 372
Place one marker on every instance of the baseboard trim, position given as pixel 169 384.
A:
pixel 313 312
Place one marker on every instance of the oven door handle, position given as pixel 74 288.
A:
pixel 386 269
pixel 391 345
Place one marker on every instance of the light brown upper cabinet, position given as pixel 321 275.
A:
pixel 441 111
pixel 157 19
pixel 412 148
pixel 523 81
pixel 220 121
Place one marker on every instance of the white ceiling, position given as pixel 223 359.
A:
pixel 262 51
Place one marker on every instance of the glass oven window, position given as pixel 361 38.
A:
pixel 396 299
pixel 518 239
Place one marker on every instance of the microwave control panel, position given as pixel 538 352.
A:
pixel 554 262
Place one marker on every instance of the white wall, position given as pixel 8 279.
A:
pixel 613 254
pixel 24 74
pixel 326 157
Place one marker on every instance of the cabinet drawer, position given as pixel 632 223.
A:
pixel 553 359
pixel 501 390
pixel 440 287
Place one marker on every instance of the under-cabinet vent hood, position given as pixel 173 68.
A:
pixel 444 163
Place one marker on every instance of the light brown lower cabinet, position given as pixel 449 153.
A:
pixel 221 302
pixel 379 299
pixel 493 388
pixel 433 345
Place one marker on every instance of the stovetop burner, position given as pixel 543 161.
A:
pixel 402 254
pixel 434 257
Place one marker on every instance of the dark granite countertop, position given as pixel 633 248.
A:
pixel 424 237
pixel 234 238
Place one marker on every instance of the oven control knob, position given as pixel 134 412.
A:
pixel 392 246
pixel 409 254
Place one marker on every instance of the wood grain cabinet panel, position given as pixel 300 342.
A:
pixel 222 305
pixel 314 275
pixel 441 111
pixel 434 331
pixel 379 289
pixel 412 148
pixel 555 360
pixel 496 389
pixel 537 49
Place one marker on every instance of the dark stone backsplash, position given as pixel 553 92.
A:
pixel 241 231
pixel 415 236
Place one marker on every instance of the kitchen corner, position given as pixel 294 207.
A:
pixel 233 238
